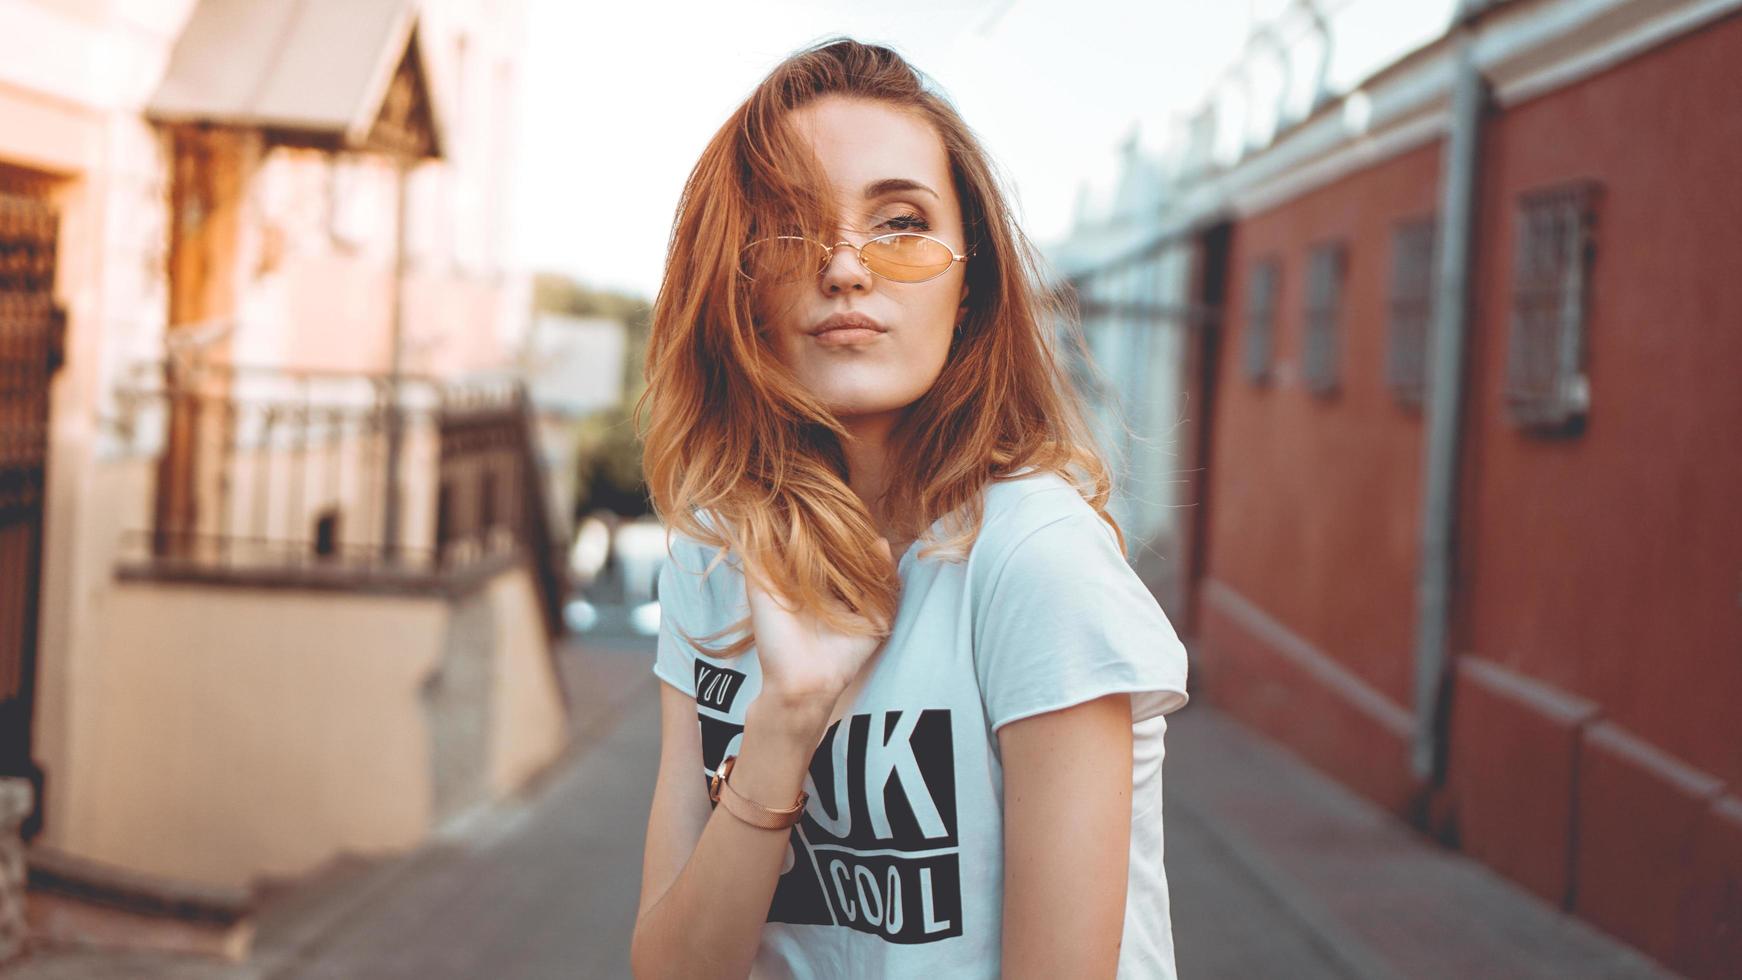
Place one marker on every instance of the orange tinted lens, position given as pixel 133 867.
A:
pixel 907 258
pixel 781 259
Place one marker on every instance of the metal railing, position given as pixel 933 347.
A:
pixel 267 476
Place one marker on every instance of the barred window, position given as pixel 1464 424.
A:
pixel 1261 301
pixel 1413 259
pixel 1326 265
pixel 1546 387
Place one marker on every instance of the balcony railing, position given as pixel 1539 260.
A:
pixel 332 479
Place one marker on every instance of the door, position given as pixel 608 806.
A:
pixel 30 351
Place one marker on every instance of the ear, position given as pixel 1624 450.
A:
pixel 962 309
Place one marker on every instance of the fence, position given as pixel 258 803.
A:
pixel 274 477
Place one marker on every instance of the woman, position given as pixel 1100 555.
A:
pixel 945 764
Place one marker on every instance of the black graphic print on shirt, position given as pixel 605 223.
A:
pixel 877 849
pixel 717 687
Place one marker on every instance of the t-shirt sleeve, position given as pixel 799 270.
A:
pixel 1065 619
pixel 680 597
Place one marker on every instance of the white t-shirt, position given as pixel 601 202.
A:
pixel 897 867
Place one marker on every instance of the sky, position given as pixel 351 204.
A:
pixel 618 100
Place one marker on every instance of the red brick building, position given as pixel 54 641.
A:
pixel 1572 713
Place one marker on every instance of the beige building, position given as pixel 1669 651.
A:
pixel 275 582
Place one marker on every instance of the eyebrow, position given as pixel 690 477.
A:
pixel 891 185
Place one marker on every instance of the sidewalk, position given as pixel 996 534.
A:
pixel 1276 870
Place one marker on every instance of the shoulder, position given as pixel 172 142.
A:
pixel 1031 497
pixel 1028 520
pixel 696 571
pixel 682 546
pixel 1059 616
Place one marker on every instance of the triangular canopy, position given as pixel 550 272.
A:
pixel 341 74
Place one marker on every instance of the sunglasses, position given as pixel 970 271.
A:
pixel 902 257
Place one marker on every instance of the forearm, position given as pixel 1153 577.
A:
pixel 709 922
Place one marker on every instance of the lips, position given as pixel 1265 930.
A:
pixel 848 322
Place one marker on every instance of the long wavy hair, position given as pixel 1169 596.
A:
pixel 739 455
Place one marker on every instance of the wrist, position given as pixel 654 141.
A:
pixel 721 791
pixel 800 721
pixel 772 762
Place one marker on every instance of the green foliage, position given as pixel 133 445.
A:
pixel 608 452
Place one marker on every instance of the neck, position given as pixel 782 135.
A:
pixel 867 455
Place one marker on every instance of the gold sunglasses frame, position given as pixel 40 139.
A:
pixel 858 252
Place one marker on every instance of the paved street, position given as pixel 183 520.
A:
pixel 1274 870
pixel 541 890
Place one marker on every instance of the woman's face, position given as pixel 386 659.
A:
pixel 889 173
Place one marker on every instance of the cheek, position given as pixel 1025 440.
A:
pixel 943 310
pixel 773 311
pixel 937 327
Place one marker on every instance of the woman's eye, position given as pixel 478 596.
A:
pixel 906 221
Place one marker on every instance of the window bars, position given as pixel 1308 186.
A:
pixel 1413 259
pixel 1546 389
pixel 1261 302
pixel 1326 265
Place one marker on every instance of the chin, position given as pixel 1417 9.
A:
pixel 867 392
pixel 846 403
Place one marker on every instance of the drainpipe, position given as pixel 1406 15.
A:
pixel 396 367
pixel 1445 396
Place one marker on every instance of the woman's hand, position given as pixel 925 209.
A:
pixel 708 878
pixel 806 665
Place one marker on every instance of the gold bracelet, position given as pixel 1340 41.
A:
pixel 748 810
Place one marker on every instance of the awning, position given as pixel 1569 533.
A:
pixel 339 74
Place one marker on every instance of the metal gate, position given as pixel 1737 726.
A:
pixel 31 330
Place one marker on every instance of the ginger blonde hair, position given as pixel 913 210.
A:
pixel 731 434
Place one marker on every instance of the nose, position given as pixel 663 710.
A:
pixel 844 271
